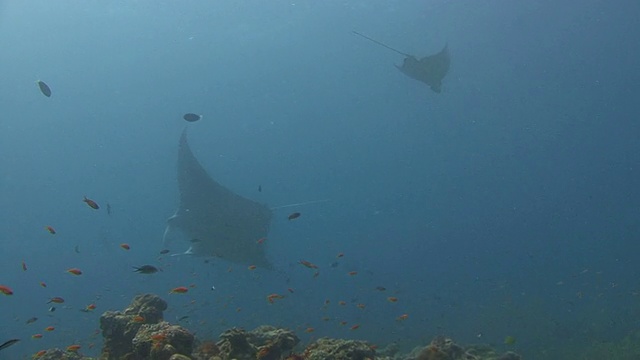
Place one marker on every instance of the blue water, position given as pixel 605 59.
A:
pixel 507 205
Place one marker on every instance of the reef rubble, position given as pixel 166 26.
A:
pixel 139 332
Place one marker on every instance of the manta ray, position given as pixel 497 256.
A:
pixel 216 221
pixel 429 69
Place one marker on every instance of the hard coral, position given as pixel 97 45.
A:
pixel 338 349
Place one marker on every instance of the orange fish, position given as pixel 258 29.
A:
pixel 24 266
pixel 43 284
pixel 138 319
pixel 355 327
pixel 361 306
pixel 125 246
pixel 179 290
pixel 352 273
pixel 261 240
pixel 252 267
pixel 36 336
pixel 49 328
pixel 158 337
pixel 75 271
pixel 90 307
pixel 39 354
pixel 57 300
pixel 308 264
pixel 402 317
pixel 73 348
pixel 92 204
pixel 271 298
pixel 342 302
pixel 309 330
pixel 51 230
pixel 343 323
pixel 339 255
pixel 6 290
pixel 392 299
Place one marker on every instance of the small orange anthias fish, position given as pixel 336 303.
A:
pixel 138 319
pixel 308 264
pixel 392 299
pixel 261 240
pixel 90 307
pixel 92 204
pixel 271 298
pixel 352 273
pixel 75 271
pixel 339 255
pixel 355 327
pixel 43 284
pixel 179 290
pixel 6 290
pixel 402 317
pixel 24 266
pixel 57 300
pixel 39 354
pixel 309 330
pixel 50 229
pixel 125 246
pixel 73 348
pixel 159 337
pixel 252 267
pixel 49 328
pixel 36 336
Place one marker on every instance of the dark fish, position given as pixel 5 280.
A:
pixel 8 343
pixel 32 320
pixel 76 249
pixel 146 269
pixel 44 88
pixel 183 318
pixel 52 309
pixel 165 251
pixel 108 209
pixel 295 215
pixel 92 204
pixel 190 117
pixel 381 288
pixel 259 188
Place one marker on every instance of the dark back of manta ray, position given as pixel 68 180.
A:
pixel 429 70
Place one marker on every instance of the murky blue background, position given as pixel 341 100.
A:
pixel 508 205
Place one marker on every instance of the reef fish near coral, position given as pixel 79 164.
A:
pixel 226 224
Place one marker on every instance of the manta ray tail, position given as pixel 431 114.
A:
pixel 300 204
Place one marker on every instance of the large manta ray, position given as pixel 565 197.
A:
pixel 215 220
pixel 429 70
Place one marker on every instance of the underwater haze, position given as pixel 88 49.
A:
pixel 503 210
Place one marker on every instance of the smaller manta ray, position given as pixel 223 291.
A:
pixel 429 70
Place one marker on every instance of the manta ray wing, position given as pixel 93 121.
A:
pixel 219 222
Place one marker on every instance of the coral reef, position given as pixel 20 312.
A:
pixel 262 343
pixel 57 354
pixel 139 332
pixel 442 348
pixel 338 349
